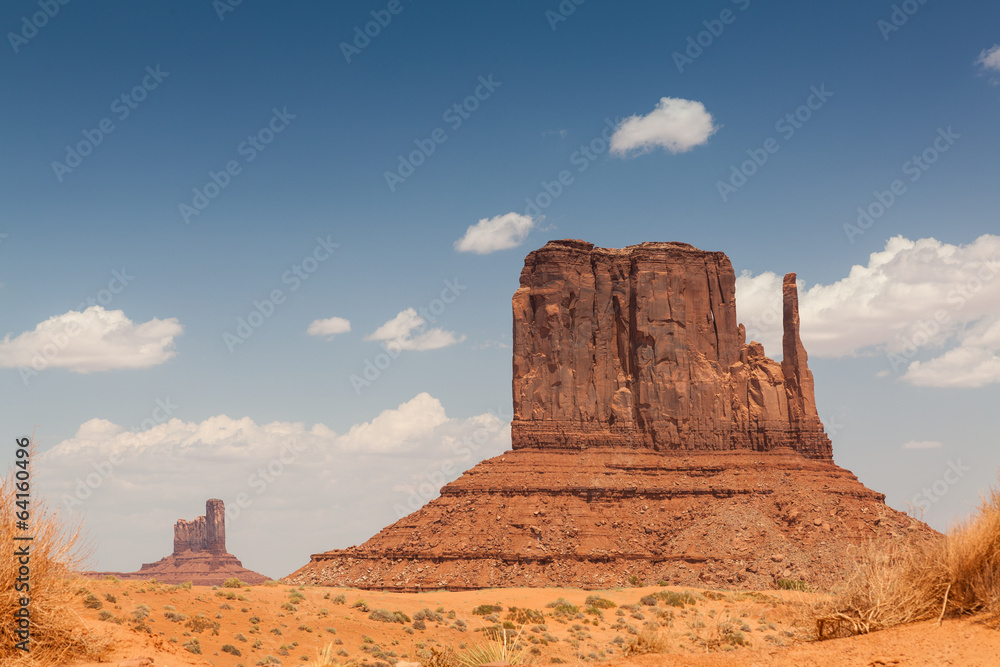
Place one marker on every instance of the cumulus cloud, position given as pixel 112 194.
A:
pixel 306 486
pixel 397 428
pixel 913 299
pixel 990 58
pixel 498 233
pixel 922 444
pixel 93 340
pixel 406 331
pixel 675 124
pixel 329 327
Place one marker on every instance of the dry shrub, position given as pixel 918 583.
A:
pixel 650 640
pixel 502 646
pixel 57 632
pixel 909 579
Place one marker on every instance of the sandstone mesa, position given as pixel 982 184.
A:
pixel 651 443
pixel 199 555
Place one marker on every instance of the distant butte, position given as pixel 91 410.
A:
pixel 199 554
pixel 651 443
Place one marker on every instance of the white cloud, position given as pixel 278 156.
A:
pixel 990 58
pixel 922 444
pixel 406 332
pixel 93 340
pixel 397 428
pixel 498 233
pixel 912 298
pixel 307 486
pixel 975 362
pixel 329 327
pixel 675 124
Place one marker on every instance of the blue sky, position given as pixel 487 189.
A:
pixel 551 86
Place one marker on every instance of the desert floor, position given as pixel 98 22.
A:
pixel 159 624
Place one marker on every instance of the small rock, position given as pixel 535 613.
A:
pixel 777 558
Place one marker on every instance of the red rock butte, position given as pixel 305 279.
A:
pixel 651 442
pixel 199 555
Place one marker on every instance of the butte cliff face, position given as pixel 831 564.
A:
pixel 199 555
pixel 640 348
pixel 651 441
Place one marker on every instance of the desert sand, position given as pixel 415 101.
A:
pixel 291 623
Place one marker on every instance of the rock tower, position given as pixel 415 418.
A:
pixel 199 555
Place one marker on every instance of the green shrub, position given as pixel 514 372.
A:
pixel 598 602
pixel 233 582
pixel 486 609
pixel 199 624
pixel 672 599
pixel 229 648
pixel 386 616
pixel 91 602
pixel 522 616
pixel 792 585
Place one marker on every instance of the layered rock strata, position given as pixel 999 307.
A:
pixel 199 555
pixel 651 441
pixel 640 347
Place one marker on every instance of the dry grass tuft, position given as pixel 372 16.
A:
pixel 57 632
pixel 649 640
pixel 502 646
pixel 325 657
pixel 903 581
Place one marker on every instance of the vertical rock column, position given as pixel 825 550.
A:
pixel 215 526
pixel 803 417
